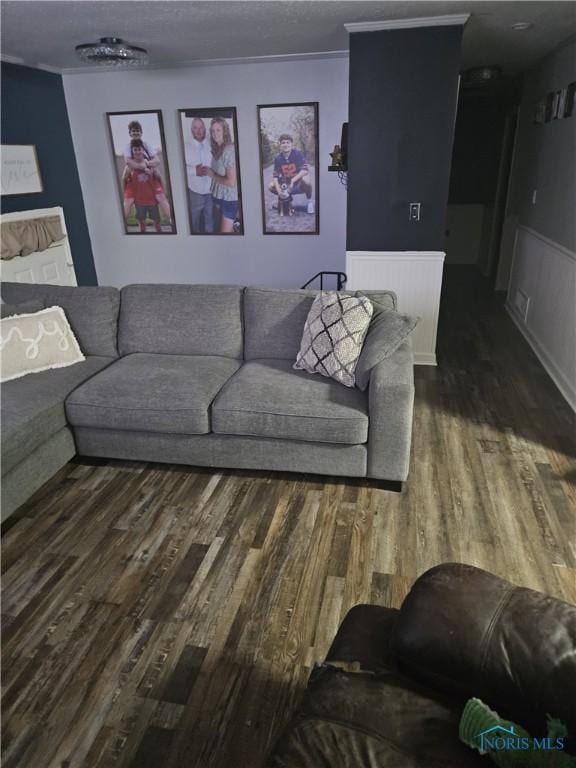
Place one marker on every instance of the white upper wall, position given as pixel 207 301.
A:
pixel 275 260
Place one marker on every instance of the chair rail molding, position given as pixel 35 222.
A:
pixel 415 277
pixel 541 301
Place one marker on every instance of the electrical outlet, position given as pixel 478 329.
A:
pixel 414 212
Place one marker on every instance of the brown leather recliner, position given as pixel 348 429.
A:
pixel 461 633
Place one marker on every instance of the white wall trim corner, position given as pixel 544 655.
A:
pixel 415 277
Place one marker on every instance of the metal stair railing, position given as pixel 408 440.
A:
pixel 341 279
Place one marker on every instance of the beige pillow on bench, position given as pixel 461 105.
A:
pixel 36 342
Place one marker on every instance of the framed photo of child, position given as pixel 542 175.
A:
pixel 141 168
pixel 288 137
pixel 212 170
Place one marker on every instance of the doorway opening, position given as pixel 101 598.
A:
pixel 478 232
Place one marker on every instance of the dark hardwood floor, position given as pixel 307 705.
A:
pixel 168 617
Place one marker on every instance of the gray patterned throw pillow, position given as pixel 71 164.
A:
pixel 333 334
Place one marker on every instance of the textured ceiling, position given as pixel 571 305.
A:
pixel 43 32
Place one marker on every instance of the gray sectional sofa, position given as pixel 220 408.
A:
pixel 200 375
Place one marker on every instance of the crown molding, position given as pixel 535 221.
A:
pixel 270 59
pixel 98 69
pixel 23 63
pixel 451 20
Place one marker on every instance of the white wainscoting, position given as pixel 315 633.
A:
pixel 415 277
pixel 542 302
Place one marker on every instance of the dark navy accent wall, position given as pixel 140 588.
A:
pixel 403 91
pixel 34 112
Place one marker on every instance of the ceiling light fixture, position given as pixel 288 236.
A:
pixel 476 76
pixel 521 26
pixel 112 51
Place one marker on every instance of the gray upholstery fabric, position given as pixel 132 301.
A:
pixel 27 307
pixel 92 311
pixel 333 335
pixel 387 331
pixel 266 398
pixel 224 451
pixel 386 299
pixel 274 321
pixel 33 407
pixel 35 469
pixel 181 320
pixel 154 393
pixel 391 398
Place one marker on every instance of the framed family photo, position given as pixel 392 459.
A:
pixel 141 168
pixel 212 170
pixel 288 136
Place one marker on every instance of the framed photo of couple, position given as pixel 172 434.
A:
pixel 141 167
pixel 212 170
pixel 288 136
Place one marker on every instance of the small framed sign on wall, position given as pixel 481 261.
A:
pixel 20 173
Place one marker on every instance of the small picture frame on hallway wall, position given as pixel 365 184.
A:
pixel 212 170
pixel 142 174
pixel 288 139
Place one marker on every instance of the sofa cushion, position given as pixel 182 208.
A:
pixel 350 720
pixel 386 299
pixel 273 322
pixel 464 630
pixel 387 331
pixel 27 307
pixel 152 393
pixel 33 407
pixel 181 320
pixel 92 311
pixel 267 398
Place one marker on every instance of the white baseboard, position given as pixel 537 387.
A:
pixel 566 388
pixel 425 358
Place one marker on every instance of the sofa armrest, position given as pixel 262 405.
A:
pixel 468 632
pixel 391 404
pixel 365 637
